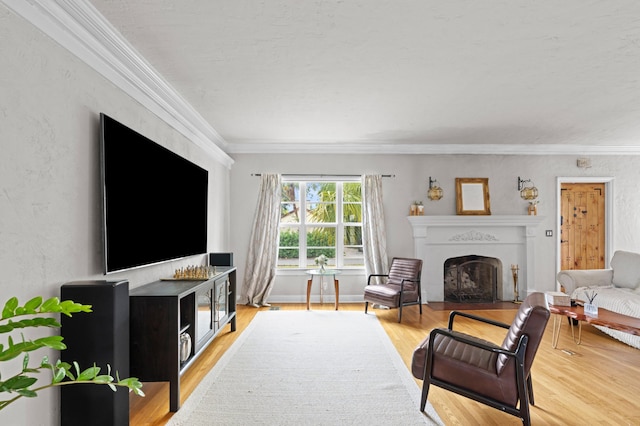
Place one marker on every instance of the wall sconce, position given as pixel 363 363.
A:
pixel 435 192
pixel 527 190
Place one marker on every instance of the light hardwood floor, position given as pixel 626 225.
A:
pixel 597 382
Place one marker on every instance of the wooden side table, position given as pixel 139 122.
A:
pixel 571 312
pixel 327 272
pixel 605 318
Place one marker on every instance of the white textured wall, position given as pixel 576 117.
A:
pixel 411 183
pixel 50 180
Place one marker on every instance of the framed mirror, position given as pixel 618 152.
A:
pixel 472 196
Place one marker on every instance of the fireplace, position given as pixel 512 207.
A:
pixel 472 278
pixel 510 239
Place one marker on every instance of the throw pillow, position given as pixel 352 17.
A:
pixel 626 269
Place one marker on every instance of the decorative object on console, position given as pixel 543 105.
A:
pixel 194 272
pixel 532 210
pixel 435 192
pixel 472 196
pixel 185 347
pixel 527 189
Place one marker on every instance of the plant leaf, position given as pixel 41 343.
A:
pixel 50 305
pixel 17 382
pixel 9 308
pixel 45 362
pixel 14 350
pixel 28 393
pixel 25 362
pixel 103 379
pixel 89 374
pixel 59 375
pixel 33 304
pixel 69 307
pixel 31 322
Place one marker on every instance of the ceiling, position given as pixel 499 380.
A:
pixel 403 73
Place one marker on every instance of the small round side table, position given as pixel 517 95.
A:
pixel 322 273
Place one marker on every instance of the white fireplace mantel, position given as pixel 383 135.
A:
pixel 509 238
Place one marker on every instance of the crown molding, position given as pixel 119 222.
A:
pixel 434 149
pixel 80 28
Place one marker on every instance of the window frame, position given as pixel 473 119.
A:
pixel 339 224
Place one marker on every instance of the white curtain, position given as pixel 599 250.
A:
pixel 262 257
pixel 374 235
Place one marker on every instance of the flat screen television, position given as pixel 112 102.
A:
pixel 154 201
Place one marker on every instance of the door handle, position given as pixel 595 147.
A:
pixel 564 241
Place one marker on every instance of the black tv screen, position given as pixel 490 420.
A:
pixel 154 201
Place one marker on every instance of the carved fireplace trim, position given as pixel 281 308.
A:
pixel 511 238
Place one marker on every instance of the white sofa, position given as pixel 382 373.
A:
pixel 617 288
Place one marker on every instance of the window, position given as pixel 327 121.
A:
pixel 321 217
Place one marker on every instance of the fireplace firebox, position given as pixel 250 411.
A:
pixel 472 278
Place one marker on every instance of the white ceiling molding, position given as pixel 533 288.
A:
pixel 80 28
pixel 443 149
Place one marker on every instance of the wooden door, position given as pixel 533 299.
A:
pixel 582 232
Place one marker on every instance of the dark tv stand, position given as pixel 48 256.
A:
pixel 162 311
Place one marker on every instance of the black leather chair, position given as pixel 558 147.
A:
pixel 402 286
pixel 498 376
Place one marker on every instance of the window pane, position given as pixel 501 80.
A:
pixel 352 236
pixel 288 258
pixel 289 251
pixel 289 213
pixel 351 192
pixel 321 213
pixel 321 191
pixel 352 213
pixel 289 237
pixel 353 257
pixel 329 253
pixel 321 237
pixel 290 191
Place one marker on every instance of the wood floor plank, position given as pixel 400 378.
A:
pixel 598 384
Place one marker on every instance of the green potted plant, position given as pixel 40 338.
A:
pixel 34 314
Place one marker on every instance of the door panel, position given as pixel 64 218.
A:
pixel 582 232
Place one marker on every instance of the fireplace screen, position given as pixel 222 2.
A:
pixel 472 278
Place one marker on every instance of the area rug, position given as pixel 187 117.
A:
pixel 308 368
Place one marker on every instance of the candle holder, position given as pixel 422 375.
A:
pixel 514 274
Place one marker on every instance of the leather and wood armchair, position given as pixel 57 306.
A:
pixel 402 286
pixel 498 376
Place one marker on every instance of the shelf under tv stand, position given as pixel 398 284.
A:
pixel 162 310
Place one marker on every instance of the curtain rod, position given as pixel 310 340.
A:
pixel 321 176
